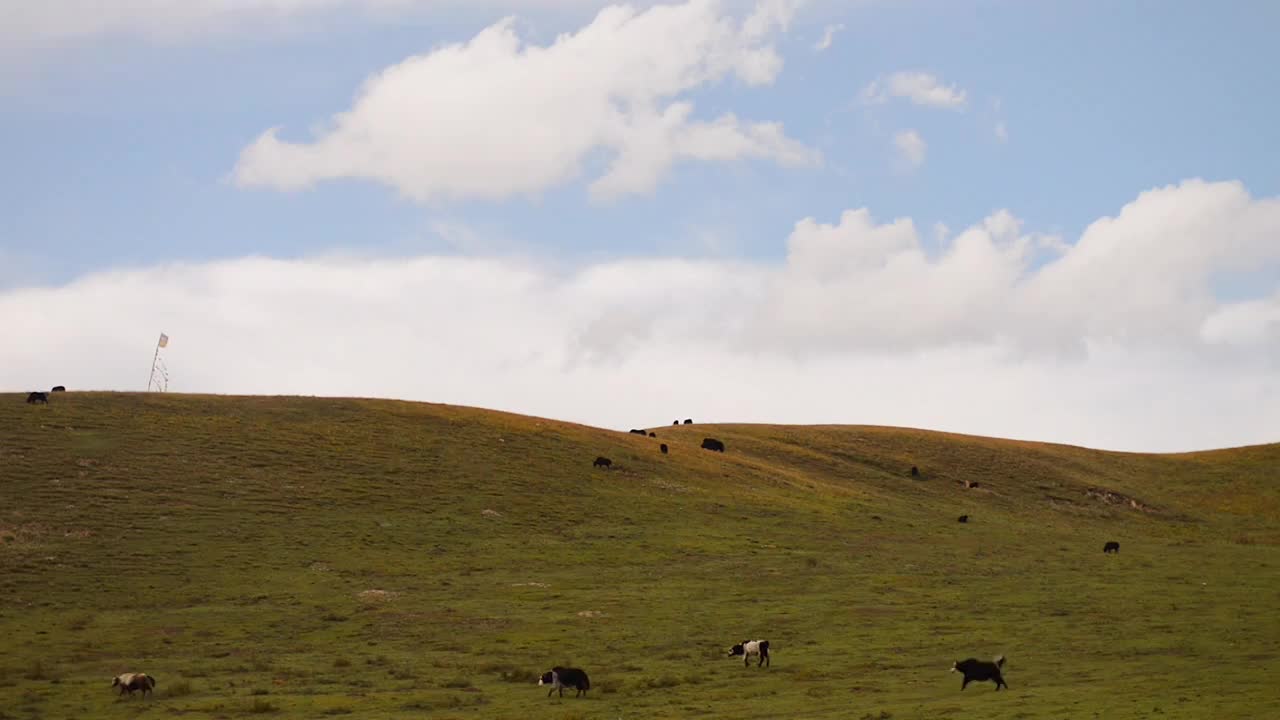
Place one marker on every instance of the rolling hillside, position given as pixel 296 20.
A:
pixel 309 557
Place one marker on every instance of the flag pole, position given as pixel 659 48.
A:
pixel 160 342
pixel 152 376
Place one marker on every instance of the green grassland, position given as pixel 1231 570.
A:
pixel 312 557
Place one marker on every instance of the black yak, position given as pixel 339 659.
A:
pixel 560 678
pixel 1111 546
pixel 602 461
pixel 980 670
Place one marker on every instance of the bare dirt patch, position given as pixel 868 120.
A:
pixel 1111 497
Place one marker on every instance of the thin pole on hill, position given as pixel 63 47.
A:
pixel 151 379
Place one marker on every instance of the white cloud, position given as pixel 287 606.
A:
pixel 1116 340
pixel 828 36
pixel 28 23
pixel 1249 324
pixel 493 117
pixel 38 22
pixel 911 147
pixel 920 88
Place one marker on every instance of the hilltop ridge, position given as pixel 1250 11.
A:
pixel 251 552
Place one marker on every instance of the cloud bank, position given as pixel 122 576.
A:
pixel 170 20
pixel 495 117
pixel 1117 340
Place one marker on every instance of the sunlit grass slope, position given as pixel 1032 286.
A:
pixel 307 557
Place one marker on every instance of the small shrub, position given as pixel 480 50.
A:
pixel 261 707
pixel 80 623
pixel 820 691
pixel 178 689
pixel 507 672
pixel 517 676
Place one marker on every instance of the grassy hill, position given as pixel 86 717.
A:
pixel 307 557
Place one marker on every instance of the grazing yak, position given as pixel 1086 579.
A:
pixel 603 462
pixel 59 388
pixel 1111 546
pixel 560 678
pixel 38 397
pixel 963 519
pixel 712 444
pixel 915 471
pixel 747 648
pixel 128 682
pixel 638 432
pixel 688 421
pixel 979 671
pixel 663 448
pixel 653 434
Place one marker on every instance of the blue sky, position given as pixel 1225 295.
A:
pixel 117 147
pixel 123 137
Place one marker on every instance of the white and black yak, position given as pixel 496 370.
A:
pixel 560 678
pixel 747 648
pixel 128 682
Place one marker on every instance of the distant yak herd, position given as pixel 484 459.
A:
pixel 43 397
pixel 558 678
pixel 707 444
pixel 716 445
